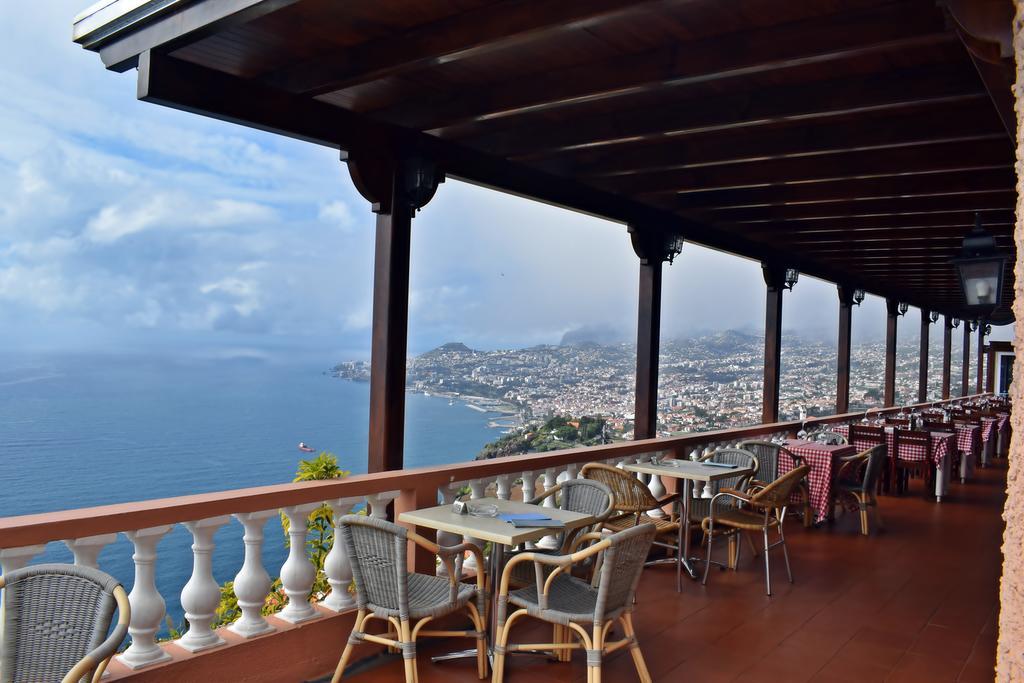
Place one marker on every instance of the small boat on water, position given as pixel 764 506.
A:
pixel 304 448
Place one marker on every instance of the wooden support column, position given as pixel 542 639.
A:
pixel 843 350
pixel 965 375
pixel 396 189
pixel 947 345
pixel 653 247
pixel 981 358
pixel 889 388
pixel 922 371
pixel 775 280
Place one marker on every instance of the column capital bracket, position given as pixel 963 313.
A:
pixel 653 245
pixel 380 176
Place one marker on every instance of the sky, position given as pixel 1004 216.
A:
pixel 129 227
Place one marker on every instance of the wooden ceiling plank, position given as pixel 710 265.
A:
pixel 462 35
pixel 969 119
pixel 817 40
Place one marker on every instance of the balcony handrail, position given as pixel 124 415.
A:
pixel 40 528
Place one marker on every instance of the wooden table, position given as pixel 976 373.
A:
pixel 499 533
pixel 689 472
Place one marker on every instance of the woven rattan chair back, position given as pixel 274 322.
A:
pixel 631 494
pixel 621 565
pixel 54 615
pixel 829 437
pixel 777 493
pixel 767 454
pixel 732 456
pixel 873 468
pixel 586 496
pixel 377 551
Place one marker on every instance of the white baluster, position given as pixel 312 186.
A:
pixel 298 572
pixel 201 595
pixel 447 538
pixel 11 559
pixel 550 481
pixel 477 487
pixel 504 486
pixel 529 486
pixel 87 550
pixel 337 565
pixel 148 606
pixel 378 503
pixel 252 583
pixel 657 489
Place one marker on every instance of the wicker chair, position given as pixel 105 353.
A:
pixel 587 496
pixel 901 469
pixel 588 609
pixel 633 500
pixel 829 437
pixel 762 511
pixel 57 623
pixel 385 590
pixel 767 453
pixel 858 479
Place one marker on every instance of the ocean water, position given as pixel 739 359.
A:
pixel 92 430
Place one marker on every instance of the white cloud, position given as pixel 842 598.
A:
pixel 338 214
pixel 116 221
pixel 41 287
pixel 245 292
pixel 225 212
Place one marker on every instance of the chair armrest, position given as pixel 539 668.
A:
pixel 106 649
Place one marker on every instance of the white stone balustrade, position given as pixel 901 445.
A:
pixel 337 564
pixel 201 595
pixel 658 490
pixel 529 486
pixel 87 550
pixel 550 481
pixel 298 572
pixel 148 606
pixel 446 538
pixel 503 486
pixel 378 503
pixel 477 489
pixel 252 583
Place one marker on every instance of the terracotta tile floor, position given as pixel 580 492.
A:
pixel 917 603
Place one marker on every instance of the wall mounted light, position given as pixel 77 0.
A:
pixel 792 275
pixel 954 323
pixel 981 267
pixel 903 307
pixel 934 316
pixel 858 296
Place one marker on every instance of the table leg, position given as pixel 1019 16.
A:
pixel 495 564
pixel 683 543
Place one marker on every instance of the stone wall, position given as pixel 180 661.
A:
pixel 1010 656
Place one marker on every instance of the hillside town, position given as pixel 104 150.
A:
pixel 713 381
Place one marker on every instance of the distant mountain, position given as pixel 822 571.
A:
pixel 449 348
pixel 729 340
pixel 601 336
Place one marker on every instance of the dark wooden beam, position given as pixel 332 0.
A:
pixel 889 383
pixel 818 40
pixel 843 350
pixel 922 368
pixel 962 219
pixel 937 157
pixel 971 119
pixel 462 35
pixel 680 113
pixel 965 375
pixel 774 279
pixel 934 185
pixel 947 345
pixel 650 246
pixel 894 206
pixel 943 236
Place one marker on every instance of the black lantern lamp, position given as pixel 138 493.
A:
pixel 973 325
pixel 674 247
pixel 981 266
pixel 858 296
pixel 903 307
pixel 934 316
pixel 988 330
pixel 792 275
pixel 954 323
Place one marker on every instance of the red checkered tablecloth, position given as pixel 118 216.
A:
pixel 988 427
pixel 823 461
pixel 968 439
pixel 943 443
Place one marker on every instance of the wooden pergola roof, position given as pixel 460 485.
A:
pixel 854 139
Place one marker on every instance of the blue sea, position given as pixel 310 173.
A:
pixel 78 431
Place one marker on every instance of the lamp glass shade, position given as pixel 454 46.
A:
pixel 858 296
pixel 792 275
pixel 981 279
